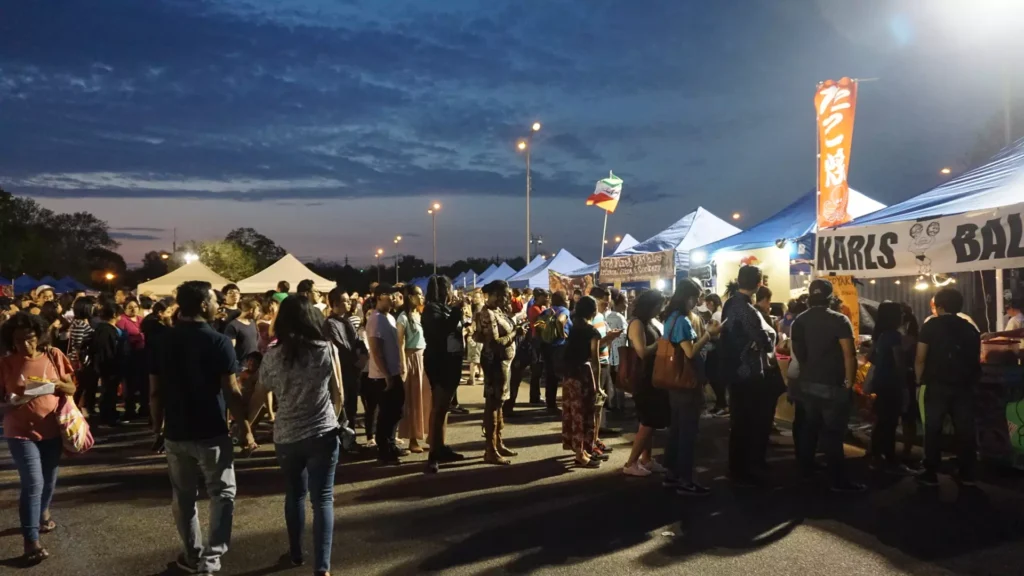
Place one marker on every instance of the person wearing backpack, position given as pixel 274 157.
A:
pixel 948 367
pixel 553 327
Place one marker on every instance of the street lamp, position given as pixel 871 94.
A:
pixel 378 254
pixel 524 146
pixel 433 223
pixel 110 279
pixel 618 239
pixel 945 171
pixel 397 240
pixel 735 215
pixel 190 257
pixel 164 256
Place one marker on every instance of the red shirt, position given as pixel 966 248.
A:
pixel 34 420
pixel 532 314
pixel 136 339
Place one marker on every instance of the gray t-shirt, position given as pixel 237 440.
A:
pixel 302 391
pixel 382 326
pixel 816 336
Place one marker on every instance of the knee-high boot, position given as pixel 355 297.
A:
pixel 491 455
pixel 498 443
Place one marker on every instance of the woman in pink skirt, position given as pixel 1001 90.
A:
pixel 415 422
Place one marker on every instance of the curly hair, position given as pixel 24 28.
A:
pixel 24 321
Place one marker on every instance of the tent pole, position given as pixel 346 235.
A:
pixel 603 232
pixel 1007 134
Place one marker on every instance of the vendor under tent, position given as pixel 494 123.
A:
pixel 168 283
pixel 626 243
pixel 289 269
pixel 563 263
pixel 772 244
pixel 502 272
pixel 697 228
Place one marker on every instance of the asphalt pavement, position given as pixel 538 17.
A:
pixel 537 516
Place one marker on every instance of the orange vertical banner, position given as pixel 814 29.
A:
pixel 835 103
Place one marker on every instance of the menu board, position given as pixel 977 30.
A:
pixel 638 267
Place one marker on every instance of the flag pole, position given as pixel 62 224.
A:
pixel 604 231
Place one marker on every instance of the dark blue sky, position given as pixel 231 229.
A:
pixel 330 125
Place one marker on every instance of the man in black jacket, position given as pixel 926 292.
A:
pixel 107 355
pixel 351 350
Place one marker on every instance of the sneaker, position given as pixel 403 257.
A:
pixel 184 565
pixel 655 467
pixel 693 489
pixel 432 467
pixel 928 479
pixel 670 483
pixel 848 487
pixel 636 470
pixel 446 454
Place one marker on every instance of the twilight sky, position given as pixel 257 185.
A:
pixel 331 125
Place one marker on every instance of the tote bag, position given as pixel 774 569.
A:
pixel 75 435
pixel 672 371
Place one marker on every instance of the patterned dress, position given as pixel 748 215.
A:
pixel 496 333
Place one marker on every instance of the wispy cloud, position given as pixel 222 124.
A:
pixel 132 236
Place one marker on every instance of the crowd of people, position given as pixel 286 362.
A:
pixel 203 368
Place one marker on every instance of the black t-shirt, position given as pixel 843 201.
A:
pixel 191 362
pixel 246 338
pixel 154 332
pixel 816 336
pixel 884 350
pixel 231 314
pixel 954 351
pixel 577 346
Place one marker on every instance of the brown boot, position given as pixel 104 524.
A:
pixel 491 455
pixel 499 445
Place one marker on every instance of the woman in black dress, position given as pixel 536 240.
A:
pixel 579 386
pixel 652 405
pixel 442 361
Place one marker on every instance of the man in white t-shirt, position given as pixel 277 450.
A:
pixel 385 374
pixel 1016 314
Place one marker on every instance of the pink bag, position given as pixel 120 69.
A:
pixel 74 429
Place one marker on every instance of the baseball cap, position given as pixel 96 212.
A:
pixel 820 288
pixel 383 289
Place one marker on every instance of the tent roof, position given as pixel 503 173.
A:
pixel 167 283
pixel 999 182
pixel 4 281
pixel 695 229
pixel 466 279
pixel 73 284
pixel 792 222
pixel 288 268
pixel 563 263
pixel 24 283
pixel 484 274
pixel 503 272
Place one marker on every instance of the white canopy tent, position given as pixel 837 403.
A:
pixel 289 269
pixel 166 284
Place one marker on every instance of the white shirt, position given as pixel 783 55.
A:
pixel 1015 323
pixel 616 321
pixel 382 327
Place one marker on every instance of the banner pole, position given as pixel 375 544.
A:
pixel 604 231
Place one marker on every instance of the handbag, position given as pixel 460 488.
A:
pixel 672 370
pixel 75 435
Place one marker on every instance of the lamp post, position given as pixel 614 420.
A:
pixel 397 240
pixel 524 146
pixel 434 209
pixel 378 254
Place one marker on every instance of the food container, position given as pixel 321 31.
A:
pixel 1001 351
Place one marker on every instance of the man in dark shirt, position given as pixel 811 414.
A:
pixel 107 356
pixel 242 330
pixel 948 367
pixel 191 379
pixel 351 351
pixel 744 344
pixel 824 348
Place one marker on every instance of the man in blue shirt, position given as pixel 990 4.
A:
pixel 192 383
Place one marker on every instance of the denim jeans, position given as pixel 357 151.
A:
pixel 686 406
pixel 308 467
pixel 36 461
pixel 215 460
pixel 825 419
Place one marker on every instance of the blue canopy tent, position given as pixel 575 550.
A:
pixel 466 280
pixel 695 229
pixel 73 285
pixel 420 283
pixel 52 283
pixel 25 284
pixel 563 263
pixel 502 272
pixel 626 243
pixel 791 224
pixel 4 281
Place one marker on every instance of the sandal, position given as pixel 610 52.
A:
pixel 589 464
pixel 36 556
pixel 603 447
pixel 47 526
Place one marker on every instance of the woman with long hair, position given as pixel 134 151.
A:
pixel 304 373
pixel 652 404
pixel 80 335
pixel 473 347
pixel 30 421
pixel 912 414
pixel 684 328
pixel 442 361
pixel 581 374
pixel 415 423
pixel 496 333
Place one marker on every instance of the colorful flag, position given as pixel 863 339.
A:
pixel 835 103
pixel 606 193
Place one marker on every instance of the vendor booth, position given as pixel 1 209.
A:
pixel 974 222
pixel 289 269
pixel 773 244
pixel 168 283
pixel 563 263
pixel 502 272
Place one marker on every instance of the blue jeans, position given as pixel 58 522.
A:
pixel 214 459
pixel 308 467
pixel 37 462
pixel 686 406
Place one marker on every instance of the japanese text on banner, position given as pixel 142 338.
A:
pixel 835 104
